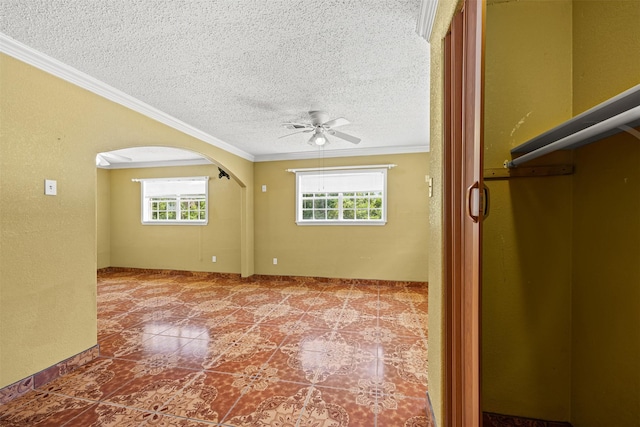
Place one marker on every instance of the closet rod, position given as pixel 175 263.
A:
pixel 618 121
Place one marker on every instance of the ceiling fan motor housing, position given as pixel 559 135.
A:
pixel 318 117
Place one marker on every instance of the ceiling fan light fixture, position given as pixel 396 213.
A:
pixel 318 139
pixel 320 128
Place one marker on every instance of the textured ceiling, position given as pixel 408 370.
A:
pixel 237 69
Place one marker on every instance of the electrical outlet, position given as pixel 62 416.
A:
pixel 214 259
pixel 275 261
pixel 50 187
pixel 264 188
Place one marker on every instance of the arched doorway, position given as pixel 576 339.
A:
pixel 125 239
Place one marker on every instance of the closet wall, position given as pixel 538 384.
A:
pixel 606 225
pixel 561 291
pixel 526 331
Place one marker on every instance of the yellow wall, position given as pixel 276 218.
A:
pixel 526 331
pixel 177 247
pixel 395 251
pixel 48 244
pixel 606 221
pixel 103 214
pixel 52 129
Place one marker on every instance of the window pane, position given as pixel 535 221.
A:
pixel 348 203
pixel 341 195
pixel 160 206
pixel 362 213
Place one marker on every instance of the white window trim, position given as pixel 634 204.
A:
pixel 143 200
pixel 341 170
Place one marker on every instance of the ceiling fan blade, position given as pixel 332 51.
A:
pixel 340 121
pixel 341 135
pixel 300 131
pixel 290 125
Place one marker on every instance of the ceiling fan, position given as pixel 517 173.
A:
pixel 321 126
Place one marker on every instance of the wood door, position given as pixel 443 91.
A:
pixel 464 56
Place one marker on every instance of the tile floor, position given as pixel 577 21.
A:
pixel 184 350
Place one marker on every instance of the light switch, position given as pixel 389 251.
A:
pixel 50 187
pixel 264 188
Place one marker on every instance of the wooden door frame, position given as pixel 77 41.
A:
pixel 463 116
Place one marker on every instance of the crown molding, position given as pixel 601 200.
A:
pixel 65 72
pixel 158 164
pixel 352 152
pixel 426 18
pixel 59 69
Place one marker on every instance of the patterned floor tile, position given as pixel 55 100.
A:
pixel 234 349
pixel 151 392
pixel 408 322
pixel 327 358
pixel 95 381
pixel 170 421
pixel 105 415
pixel 194 350
pixel 407 413
pixel 405 364
pixel 348 411
pixel 14 404
pixel 280 403
pixel 45 409
pixel 207 396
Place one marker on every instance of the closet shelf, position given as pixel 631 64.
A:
pixel 617 114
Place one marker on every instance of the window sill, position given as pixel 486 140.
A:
pixel 175 222
pixel 341 223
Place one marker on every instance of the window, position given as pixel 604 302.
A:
pixel 175 200
pixel 345 196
